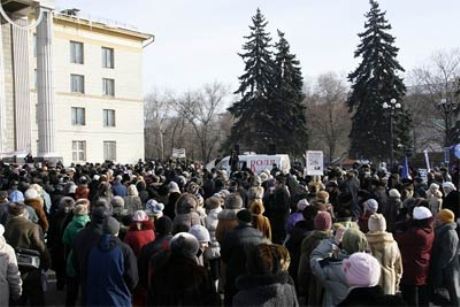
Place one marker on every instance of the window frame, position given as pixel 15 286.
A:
pixel 78 149
pixel 109 150
pixel 75 116
pixel 108 61
pixel 105 87
pixel 74 59
pixel 77 91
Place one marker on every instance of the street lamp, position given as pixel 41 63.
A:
pixel 448 107
pixel 392 107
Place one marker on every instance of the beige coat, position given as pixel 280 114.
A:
pixel 10 278
pixel 385 249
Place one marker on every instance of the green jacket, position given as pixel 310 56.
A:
pixel 70 233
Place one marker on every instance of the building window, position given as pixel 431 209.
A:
pixel 79 151
pixel 78 116
pixel 108 60
pixel 77 84
pixel 110 150
pixel 76 52
pixel 108 117
pixel 108 87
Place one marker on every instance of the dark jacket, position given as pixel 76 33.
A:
pixel 277 210
pixel 265 290
pixel 445 267
pixel 452 202
pixel 372 296
pixel 111 273
pixel 415 245
pixel 233 253
pixel 180 281
pixel 170 208
pixel 119 189
pixel 147 252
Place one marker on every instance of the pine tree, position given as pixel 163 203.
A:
pixel 374 82
pixel 253 127
pixel 287 97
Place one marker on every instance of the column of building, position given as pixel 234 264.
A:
pixel 2 95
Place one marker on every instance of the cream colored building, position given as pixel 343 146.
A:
pixel 83 83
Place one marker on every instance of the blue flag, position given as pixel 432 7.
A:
pixel 405 171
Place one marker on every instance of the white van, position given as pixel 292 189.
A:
pixel 256 163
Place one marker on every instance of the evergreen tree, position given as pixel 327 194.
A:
pixel 374 82
pixel 287 97
pixel 254 125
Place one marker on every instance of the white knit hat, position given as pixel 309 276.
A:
pixel 200 233
pixel 421 213
pixel 362 270
pixel 302 204
pixel 394 193
pixel 140 216
pixel 31 194
pixel 372 205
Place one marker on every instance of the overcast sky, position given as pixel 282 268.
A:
pixel 196 41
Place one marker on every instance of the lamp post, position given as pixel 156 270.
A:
pixel 391 107
pixel 447 107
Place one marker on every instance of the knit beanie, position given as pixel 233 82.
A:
pixel 394 193
pixel 111 226
pixel 371 205
pixel 140 216
pixel 173 187
pixel 323 221
pixel 446 216
pixel 354 241
pixel 233 201
pixel 421 213
pixel 244 216
pixel 184 244
pixel 200 233
pixel 377 222
pixel 362 270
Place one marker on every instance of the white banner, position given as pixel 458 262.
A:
pixel 178 153
pixel 427 160
pixel 315 163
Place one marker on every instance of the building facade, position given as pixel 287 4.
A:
pixel 73 87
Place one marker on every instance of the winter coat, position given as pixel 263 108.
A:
pixel 82 192
pixel 136 238
pixel 435 201
pixel 70 233
pixel 307 283
pixel 363 222
pixel 170 208
pixel 22 233
pixel 132 204
pixel 213 250
pixel 233 253
pixel 385 249
pixel 111 273
pixel 391 211
pixel 301 230
pixel 277 210
pixel 452 202
pixel 148 251
pixel 373 296
pixel 119 189
pixel 265 290
pixel 187 219
pixel 227 222
pixel 445 266
pixel 180 281
pixel 10 278
pixel 329 273
pixel 415 245
pixel 37 205
pixel 4 212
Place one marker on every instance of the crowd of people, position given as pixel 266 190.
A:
pixel 174 233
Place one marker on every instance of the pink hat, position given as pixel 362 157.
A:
pixel 362 270
pixel 323 221
pixel 140 216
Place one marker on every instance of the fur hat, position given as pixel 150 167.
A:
pixel 154 208
pixel 111 226
pixel 140 216
pixel 186 203
pixel 421 213
pixel 80 210
pixel 446 216
pixel 193 188
pixel 256 192
pixel 173 187
pixel 31 194
pixel 377 222
pixel 244 216
pixel 16 208
pixel 117 202
pixel 212 203
pixel 323 221
pixel 302 204
pixel 394 193
pixel 201 233
pixel 185 244
pixel 233 201
pixel 448 187
pixel 371 205
pixel 257 181
pixel 362 270
pixel 354 241
pixel 323 195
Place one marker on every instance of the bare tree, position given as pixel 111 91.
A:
pixel 201 109
pixel 329 121
pixel 433 91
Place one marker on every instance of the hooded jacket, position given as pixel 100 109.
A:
pixel 10 278
pixel 415 245
pixel 111 273
pixel 385 249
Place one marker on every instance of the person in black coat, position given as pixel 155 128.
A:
pixel 277 210
pixel 233 251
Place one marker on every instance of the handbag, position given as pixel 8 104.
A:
pixel 28 258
